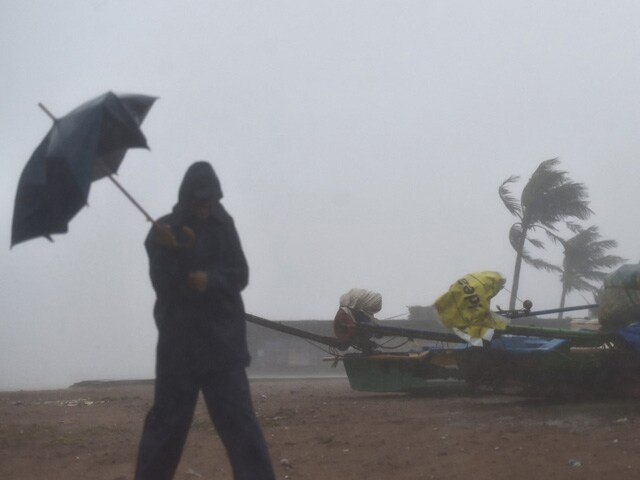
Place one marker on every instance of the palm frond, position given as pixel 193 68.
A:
pixel 596 276
pixel 535 242
pixel 606 245
pixel 550 196
pixel 607 262
pixel 545 177
pixel 580 285
pixel 573 227
pixel 540 264
pixel 555 238
pixel 586 259
pixel 509 200
pixel 568 200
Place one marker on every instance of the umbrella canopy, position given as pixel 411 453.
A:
pixel 87 144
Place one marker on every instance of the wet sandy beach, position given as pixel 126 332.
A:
pixel 322 430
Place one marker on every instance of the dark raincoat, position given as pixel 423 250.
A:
pixel 201 340
pixel 199 332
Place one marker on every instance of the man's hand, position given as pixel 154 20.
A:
pixel 198 281
pixel 163 235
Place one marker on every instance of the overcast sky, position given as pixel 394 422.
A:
pixel 359 144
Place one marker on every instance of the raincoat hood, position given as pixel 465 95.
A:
pixel 199 181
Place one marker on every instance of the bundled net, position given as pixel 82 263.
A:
pixel 361 299
pixel 619 298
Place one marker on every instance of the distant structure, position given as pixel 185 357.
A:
pixel 276 354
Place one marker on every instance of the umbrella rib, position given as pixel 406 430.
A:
pixel 109 174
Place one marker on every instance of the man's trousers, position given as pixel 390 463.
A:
pixel 228 399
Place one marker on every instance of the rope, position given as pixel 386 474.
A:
pixel 509 292
pixel 394 316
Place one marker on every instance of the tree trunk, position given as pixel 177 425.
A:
pixel 516 271
pixel 563 297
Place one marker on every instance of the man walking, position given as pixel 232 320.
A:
pixel 198 270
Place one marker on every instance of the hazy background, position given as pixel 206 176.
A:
pixel 359 144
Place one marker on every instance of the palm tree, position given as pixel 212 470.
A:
pixel 585 262
pixel 548 197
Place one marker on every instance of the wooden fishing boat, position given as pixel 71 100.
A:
pixel 525 360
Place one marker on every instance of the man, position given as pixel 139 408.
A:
pixel 198 270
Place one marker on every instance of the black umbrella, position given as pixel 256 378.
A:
pixel 87 144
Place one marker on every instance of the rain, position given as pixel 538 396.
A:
pixel 359 144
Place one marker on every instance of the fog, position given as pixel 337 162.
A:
pixel 359 144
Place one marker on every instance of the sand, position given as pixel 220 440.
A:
pixel 323 430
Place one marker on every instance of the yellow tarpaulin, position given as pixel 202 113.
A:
pixel 466 306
